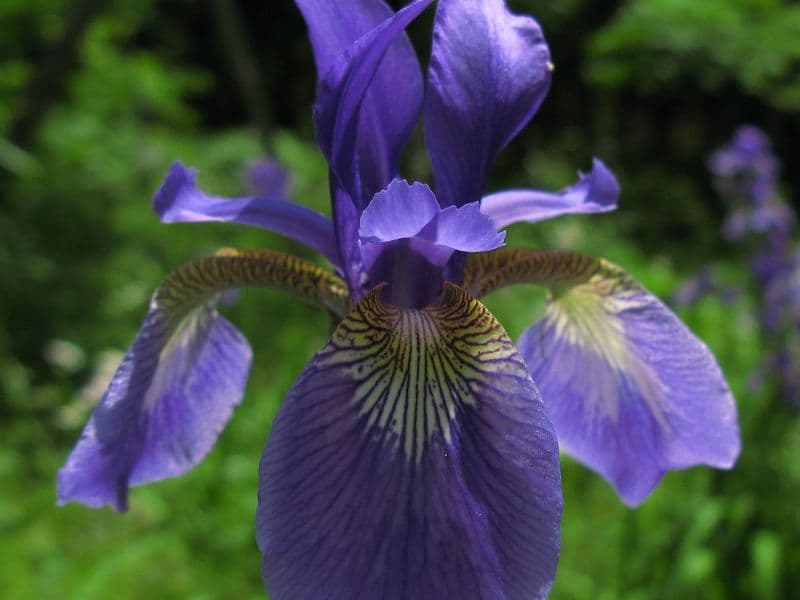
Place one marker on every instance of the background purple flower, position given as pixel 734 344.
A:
pixel 267 177
pixel 747 176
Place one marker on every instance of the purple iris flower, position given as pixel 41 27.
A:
pixel 267 177
pixel 695 288
pixel 747 174
pixel 414 457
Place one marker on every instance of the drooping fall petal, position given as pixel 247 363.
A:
pixel 180 380
pixel 411 459
pixel 170 398
pixel 632 393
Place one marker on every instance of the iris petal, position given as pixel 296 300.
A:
pixel 489 73
pixel 631 391
pixel 340 119
pixel 596 191
pixel 412 211
pixel 400 211
pixel 167 403
pixel 179 200
pixel 464 228
pixel 388 110
pixel 411 459
pixel 344 92
pixel 181 378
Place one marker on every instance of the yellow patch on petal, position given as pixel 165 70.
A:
pixel 416 369
pixel 590 315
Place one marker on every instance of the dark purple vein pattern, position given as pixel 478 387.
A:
pixel 411 459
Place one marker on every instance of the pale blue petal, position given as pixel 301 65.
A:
pixel 164 409
pixel 632 393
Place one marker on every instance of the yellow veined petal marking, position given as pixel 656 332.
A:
pixel 416 368
pixel 587 298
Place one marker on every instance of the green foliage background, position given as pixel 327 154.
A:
pixel 97 99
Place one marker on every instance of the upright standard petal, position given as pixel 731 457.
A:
pixel 181 378
pixel 489 72
pixel 596 191
pixel 347 117
pixel 631 391
pixel 411 459
pixel 179 200
pixel 392 102
pixel 365 109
